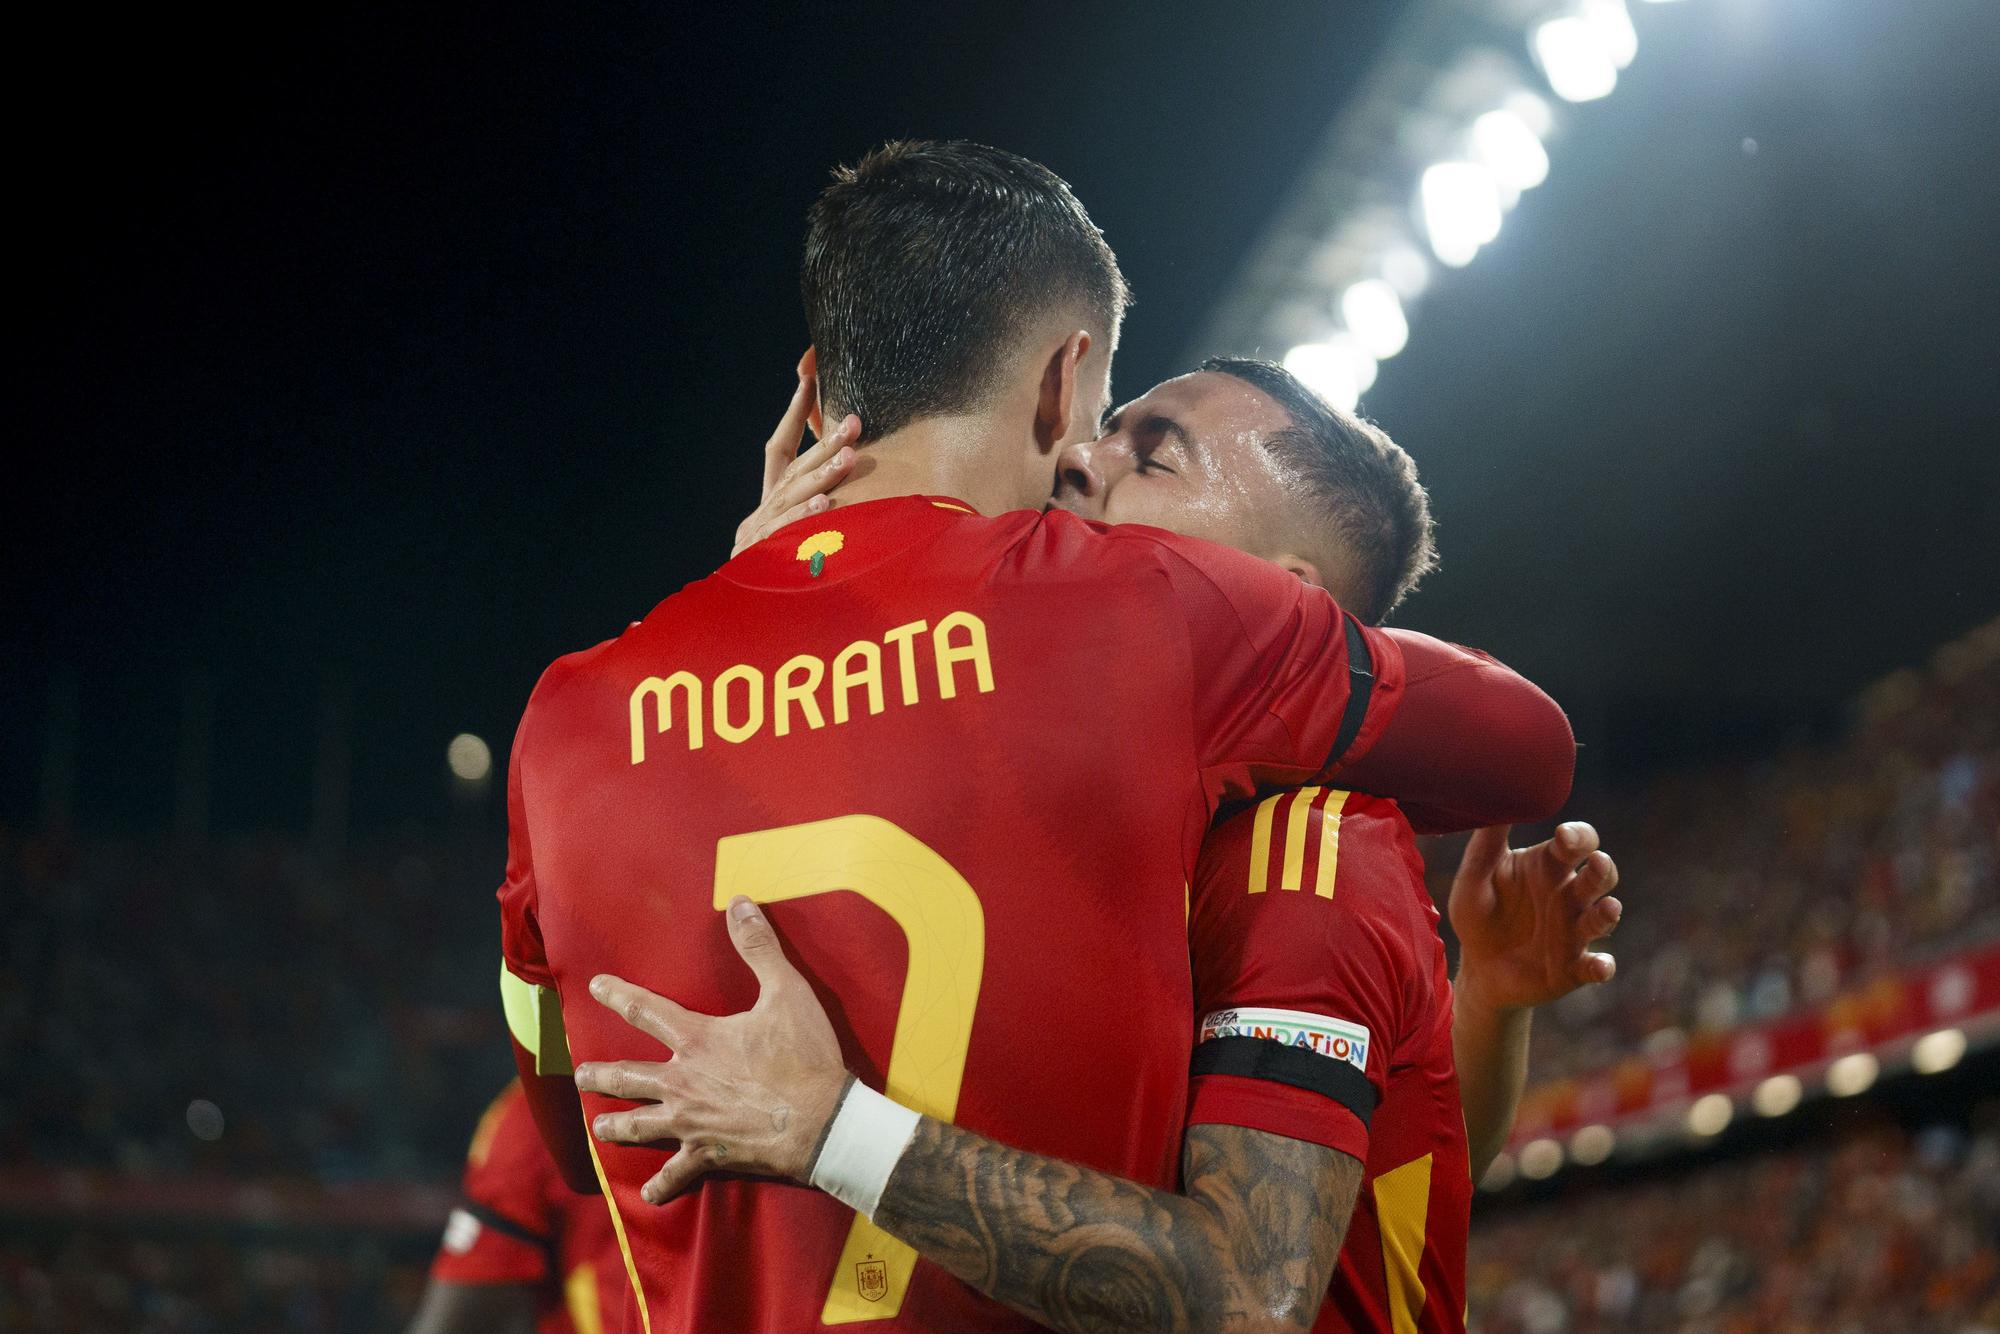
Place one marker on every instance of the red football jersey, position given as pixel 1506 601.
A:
pixel 520 1224
pixel 971 761
pixel 1325 1015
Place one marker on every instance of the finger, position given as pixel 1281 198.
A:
pixel 653 1015
pixel 826 465
pixel 639 1125
pixel 783 446
pixel 680 1174
pixel 632 1080
pixel 1595 968
pixel 757 942
pixel 1483 853
pixel 816 455
pixel 1597 877
pixel 1571 843
pixel 1600 919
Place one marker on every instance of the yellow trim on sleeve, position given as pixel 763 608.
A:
pixel 1329 842
pixel 1260 845
pixel 580 1299
pixel 1295 836
pixel 1402 1210
pixel 534 1017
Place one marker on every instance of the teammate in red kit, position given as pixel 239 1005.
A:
pixel 522 1252
pixel 851 712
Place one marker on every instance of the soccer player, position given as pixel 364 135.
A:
pixel 522 1253
pixel 1320 982
pixel 973 758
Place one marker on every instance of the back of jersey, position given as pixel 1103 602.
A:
pixel 968 763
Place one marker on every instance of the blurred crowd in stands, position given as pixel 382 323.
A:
pixel 1879 1231
pixel 244 1009
pixel 111 1283
pixel 334 1024
pixel 1758 888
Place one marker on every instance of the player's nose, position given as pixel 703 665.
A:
pixel 1079 472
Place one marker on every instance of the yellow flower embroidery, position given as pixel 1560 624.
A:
pixel 817 548
pixel 821 544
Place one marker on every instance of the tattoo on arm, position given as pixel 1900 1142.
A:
pixel 1251 1244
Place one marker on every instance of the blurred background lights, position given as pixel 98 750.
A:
pixel 1338 369
pixel 1777 1095
pixel 1852 1074
pixel 1509 149
pixel 470 758
pixel 1374 315
pixel 1592 1145
pixel 1612 25
pixel 1711 1114
pixel 1406 270
pixel 1937 1052
pixel 1540 1159
pixel 1573 59
pixel 1460 203
pixel 204 1118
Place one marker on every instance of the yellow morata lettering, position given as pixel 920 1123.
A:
pixel 973 650
pixel 653 686
pixel 906 663
pixel 809 671
pixel 724 728
pixel 845 678
pixel 736 703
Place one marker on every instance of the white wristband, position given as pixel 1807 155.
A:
pixel 866 1140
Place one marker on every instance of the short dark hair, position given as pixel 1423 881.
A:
pixel 925 261
pixel 1364 482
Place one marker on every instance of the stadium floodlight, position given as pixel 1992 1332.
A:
pixel 1338 369
pixel 1375 316
pixel 1573 59
pixel 1407 270
pixel 1938 1052
pixel 1777 1095
pixel 1461 210
pixel 1711 1114
pixel 470 758
pixel 1541 1159
pixel 1612 23
pixel 1592 1145
pixel 1510 149
pixel 1852 1074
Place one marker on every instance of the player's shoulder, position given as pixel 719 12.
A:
pixel 1353 849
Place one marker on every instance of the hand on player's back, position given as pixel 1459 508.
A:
pixel 796 484
pixel 1526 918
pixel 749 1092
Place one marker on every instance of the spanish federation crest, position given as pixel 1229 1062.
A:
pixel 871 1279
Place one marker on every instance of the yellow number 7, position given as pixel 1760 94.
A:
pixel 945 930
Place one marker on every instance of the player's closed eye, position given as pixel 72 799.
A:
pixel 1149 463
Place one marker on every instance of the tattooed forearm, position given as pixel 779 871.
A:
pixel 1250 1245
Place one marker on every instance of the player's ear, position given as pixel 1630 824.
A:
pixel 809 366
pixel 1059 390
pixel 1300 566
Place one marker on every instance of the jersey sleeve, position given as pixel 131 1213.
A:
pixel 1506 745
pixel 1290 689
pixel 520 924
pixel 1306 975
pixel 503 1229
pixel 1285 683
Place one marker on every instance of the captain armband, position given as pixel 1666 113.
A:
pixel 1305 1051
pixel 534 1017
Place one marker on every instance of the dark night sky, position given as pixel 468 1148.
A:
pixel 427 346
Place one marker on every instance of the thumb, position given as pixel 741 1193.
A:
pixel 755 940
pixel 1482 855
